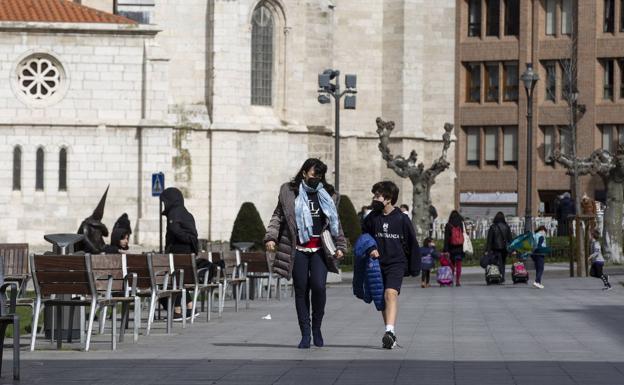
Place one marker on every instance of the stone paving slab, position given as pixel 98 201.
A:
pixel 569 333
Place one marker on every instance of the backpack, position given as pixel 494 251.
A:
pixel 457 236
pixel 445 276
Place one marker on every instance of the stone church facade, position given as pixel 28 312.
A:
pixel 220 96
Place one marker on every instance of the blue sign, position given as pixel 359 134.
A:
pixel 158 183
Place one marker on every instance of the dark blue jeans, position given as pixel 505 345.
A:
pixel 539 266
pixel 309 276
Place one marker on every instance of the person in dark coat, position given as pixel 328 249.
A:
pixel 120 236
pixel 306 208
pixel 498 238
pixel 564 210
pixel 94 230
pixel 181 238
pixel 454 246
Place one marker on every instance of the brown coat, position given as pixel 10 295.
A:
pixel 282 230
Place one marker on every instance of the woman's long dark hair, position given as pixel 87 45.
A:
pixel 500 218
pixel 455 219
pixel 320 170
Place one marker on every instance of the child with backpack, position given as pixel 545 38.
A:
pixel 597 260
pixel 538 256
pixel 427 261
pixel 397 250
pixel 454 242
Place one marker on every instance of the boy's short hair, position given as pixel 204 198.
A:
pixel 404 206
pixel 388 190
pixel 541 228
pixel 596 234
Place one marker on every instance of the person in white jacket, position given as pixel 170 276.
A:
pixel 597 260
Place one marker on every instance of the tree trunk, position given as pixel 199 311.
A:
pixel 612 231
pixel 421 219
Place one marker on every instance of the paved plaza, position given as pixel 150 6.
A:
pixel 569 333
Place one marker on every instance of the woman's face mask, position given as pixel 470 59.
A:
pixel 311 179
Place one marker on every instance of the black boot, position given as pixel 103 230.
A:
pixel 305 337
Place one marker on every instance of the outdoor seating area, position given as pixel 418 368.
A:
pixel 121 292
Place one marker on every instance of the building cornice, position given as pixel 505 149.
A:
pixel 80 28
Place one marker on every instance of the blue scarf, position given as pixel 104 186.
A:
pixel 303 216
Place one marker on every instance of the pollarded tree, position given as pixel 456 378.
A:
pixel 611 169
pixel 421 179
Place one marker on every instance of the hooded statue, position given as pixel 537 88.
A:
pixel 94 230
pixel 121 229
pixel 181 234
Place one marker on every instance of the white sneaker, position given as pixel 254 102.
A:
pixel 538 285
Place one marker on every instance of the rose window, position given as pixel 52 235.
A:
pixel 39 78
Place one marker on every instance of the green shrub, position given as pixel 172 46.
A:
pixel 349 219
pixel 248 227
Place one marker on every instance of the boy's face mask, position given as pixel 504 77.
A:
pixel 378 203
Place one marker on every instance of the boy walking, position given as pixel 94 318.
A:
pixel 397 250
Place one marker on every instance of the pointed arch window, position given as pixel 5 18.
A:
pixel 17 168
pixel 62 170
pixel 39 170
pixel 262 53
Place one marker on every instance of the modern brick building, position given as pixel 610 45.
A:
pixel 495 40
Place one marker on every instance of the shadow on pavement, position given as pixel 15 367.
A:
pixel 317 372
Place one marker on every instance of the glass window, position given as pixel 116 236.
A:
pixel 512 17
pixel 473 88
pixel 566 17
pixel 62 170
pixel 474 18
pixel 262 57
pixel 472 146
pixel 551 80
pixel 510 78
pixel 609 16
pixel 607 138
pixel 491 145
pixel 491 86
pixel 140 11
pixel 607 66
pixel 567 78
pixel 620 135
pixel 493 14
pixel 565 136
pixel 549 144
pixel 39 170
pixel 17 168
pixel 551 15
pixel 621 62
pixel 621 15
pixel 510 145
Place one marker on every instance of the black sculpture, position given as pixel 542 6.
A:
pixel 94 230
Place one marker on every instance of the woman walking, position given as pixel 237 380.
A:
pixel 454 242
pixel 498 238
pixel 306 207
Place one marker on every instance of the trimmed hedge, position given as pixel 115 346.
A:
pixel 248 227
pixel 349 219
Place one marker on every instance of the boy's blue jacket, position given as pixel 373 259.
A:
pixel 367 280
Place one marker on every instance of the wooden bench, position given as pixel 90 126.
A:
pixel 214 282
pixel 9 316
pixel 111 283
pixel 195 280
pixel 54 275
pixel 14 258
pixel 257 269
pixel 232 275
pixel 153 282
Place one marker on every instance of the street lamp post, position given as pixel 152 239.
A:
pixel 529 78
pixel 326 89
